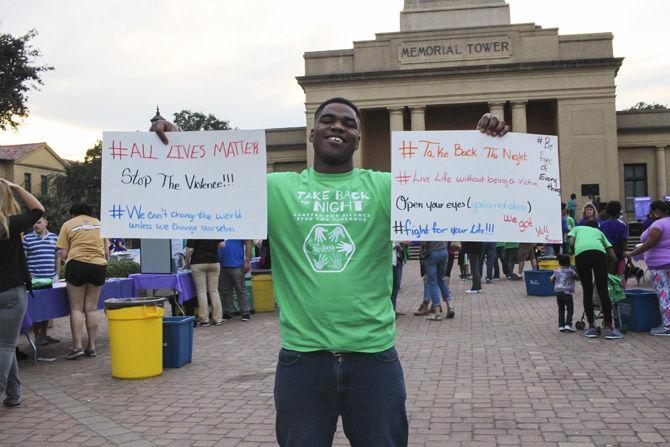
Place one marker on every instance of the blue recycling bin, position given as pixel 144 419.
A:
pixel 639 312
pixel 177 341
pixel 538 283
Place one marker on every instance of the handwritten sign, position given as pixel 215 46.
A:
pixel 467 186
pixel 202 185
pixel 642 205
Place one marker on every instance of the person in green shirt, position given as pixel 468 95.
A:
pixel 591 249
pixel 331 268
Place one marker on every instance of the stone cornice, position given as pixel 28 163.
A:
pixel 614 63
pixel 640 129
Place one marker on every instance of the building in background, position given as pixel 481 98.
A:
pixel 30 165
pixel 454 60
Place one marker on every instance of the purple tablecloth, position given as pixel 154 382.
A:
pixel 48 304
pixel 181 282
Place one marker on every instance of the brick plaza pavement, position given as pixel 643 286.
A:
pixel 500 373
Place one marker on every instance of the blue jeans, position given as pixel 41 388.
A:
pixel 492 269
pixel 12 307
pixel 312 389
pixel 436 269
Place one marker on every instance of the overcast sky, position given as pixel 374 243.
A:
pixel 116 60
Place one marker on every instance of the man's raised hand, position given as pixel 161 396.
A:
pixel 492 125
pixel 162 126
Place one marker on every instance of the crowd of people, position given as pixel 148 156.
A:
pixel 596 244
pixel 218 268
pixel 335 326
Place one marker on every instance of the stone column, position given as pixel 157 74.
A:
pixel 661 173
pixel 519 116
pixel 396 122
pixel 418 115
pixel 497 109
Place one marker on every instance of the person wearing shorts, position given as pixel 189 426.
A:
pixel 525 253
pixel 85 254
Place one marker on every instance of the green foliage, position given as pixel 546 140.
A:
pixel 122 269
pixel 647 106
pixel 188 120
pixel 80 183
pixel 17 76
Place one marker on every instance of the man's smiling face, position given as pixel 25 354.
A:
pixel 335 135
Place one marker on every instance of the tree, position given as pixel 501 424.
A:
pixel 188 120
pixel 80 183
pixel 644 106
pixel 17 76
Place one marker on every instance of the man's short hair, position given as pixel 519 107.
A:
pixel 613 209
pixel 81 208
pixel 337 100
pixel 591 223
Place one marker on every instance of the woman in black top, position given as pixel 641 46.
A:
pixel 205 269
pixel 14 278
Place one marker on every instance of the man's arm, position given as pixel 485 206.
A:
pixel 57 263
pixel 489 124
pixel 247 256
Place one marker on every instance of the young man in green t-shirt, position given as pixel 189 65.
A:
pixel 331 270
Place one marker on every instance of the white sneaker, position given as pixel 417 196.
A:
pixel 568 328
pixel 562 329
pixel 472 291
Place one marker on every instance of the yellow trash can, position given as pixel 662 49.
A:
pixel 264 298
pixel 548 264
pixel 552 263
pixel 135 336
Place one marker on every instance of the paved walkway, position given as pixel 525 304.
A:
pixel 500 373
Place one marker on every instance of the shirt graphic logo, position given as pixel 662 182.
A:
pixel 328 248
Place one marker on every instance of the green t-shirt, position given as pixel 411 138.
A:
pixel 589 238
pixel 571 222
pixel 331 259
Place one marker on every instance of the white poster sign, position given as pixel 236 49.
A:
pixel 467 186
pixel 202 185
